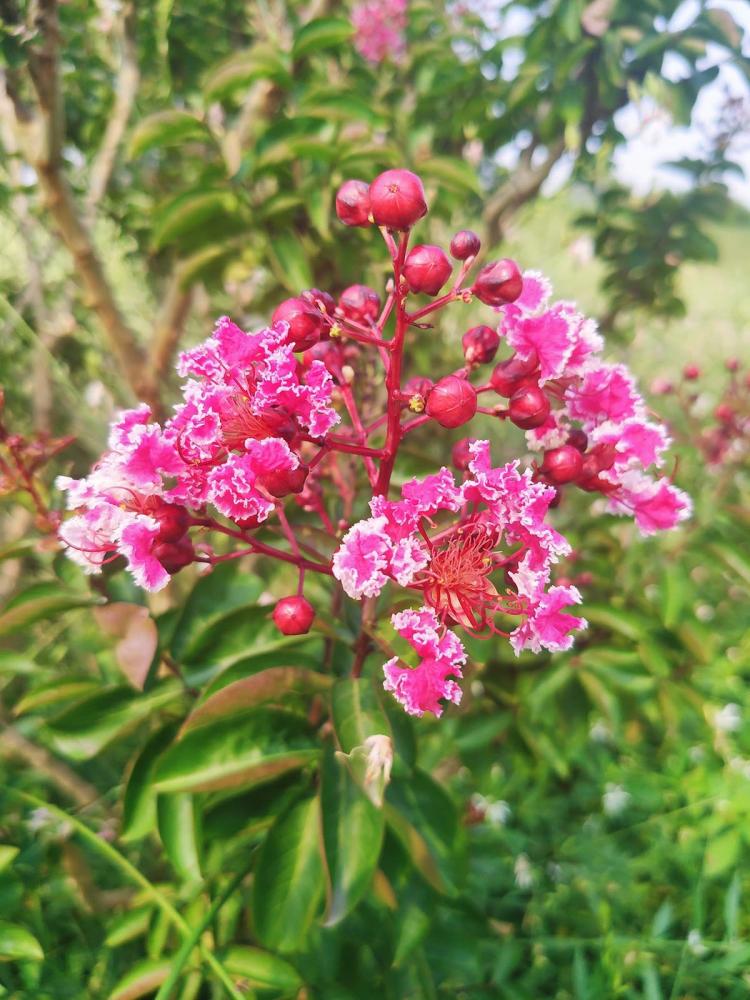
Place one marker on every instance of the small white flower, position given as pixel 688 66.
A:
pixel 523 873
pixel 600 732
pixel 477 689
pixel 695 942
pixel 729 718
pixel 497 813
pixel 704 612
pixel 615 799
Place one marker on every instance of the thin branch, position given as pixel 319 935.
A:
pixel 522 186
pixel 169 326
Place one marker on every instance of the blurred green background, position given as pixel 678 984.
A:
pixel 578 829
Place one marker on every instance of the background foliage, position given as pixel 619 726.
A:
pixel 578 828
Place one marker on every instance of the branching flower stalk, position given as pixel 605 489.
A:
pixel 260 448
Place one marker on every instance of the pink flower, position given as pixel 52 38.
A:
pixel 605 393
pixel 380 27
pixel 550 334
pixel 136 542
pixel 656 504
pixel 236 487
pixel 636 441
pixel 546 626
pixel 421 689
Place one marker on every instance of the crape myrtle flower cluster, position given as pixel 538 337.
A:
pixel 269 422
pixel 380 29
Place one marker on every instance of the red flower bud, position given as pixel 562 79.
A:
pixel 397 199
pixel 460 453
pixel 480 344
pixel 426 269
pixel 174 556
pixel 281 482
pixel 691 372
pixel 452 401
pixel 322 301
pixel 293 615
pixel 248 523
pixel 529 407
pixel 732 365
pixel 465 244
pixel 507 377
pixel 724 413
pixel 359 303
pixel 562 465
pixel 578 439
pixel 353 203
pixel 306 323
pixel 174 522
pixel 498 283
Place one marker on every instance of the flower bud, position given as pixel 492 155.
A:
pixel 452 401
pixel 322 301
pixel 562 465
pixel 397 199
pixel 360 303
pixel 732 365
pixel 578 439
pixel 306 323
pixel 417 389
pixel 353 203
pixel 465 244
pixel 174 522
pixel 293 615
pixel 498 283
pixel 661 386
pixel 724 413
pixel 691 372
pixel 426 269
pixel 174 556
pixel 508 376
pixel 461 453
pixel 480 344
pixel 529 407
pixel 281 482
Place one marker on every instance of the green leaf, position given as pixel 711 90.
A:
pixel 261 970
pixel 352 837
pixel 192 211
pixel 145 977
pixel 239 751
pixel 734 559
pixel 38 602
pixel 722 852
pixel 166 128
pixel 321 33
pixel 18 945
pixel 83 730
pixel 139 801
pixel 290 262
pixel 289 882
pixel 179 822
pixel 128 926
pixel 626 623
pixel 7 854
pixel 357 713
pixel 53 692
pixel 239 70
pixel 273 684
pixel 451 172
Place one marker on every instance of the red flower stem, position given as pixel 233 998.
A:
pixel 29 485
pixel 354 332
pixel 393 376
pixel 351 407
pixel 371 428
pixel 261 547
pixel 339 444
pixel 413 424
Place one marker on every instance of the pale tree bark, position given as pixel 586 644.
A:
pixel 523 185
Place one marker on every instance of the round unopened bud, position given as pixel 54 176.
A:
pixel 691 372
pixel 174 556
pixel 397 199
pixel 498 283
pixel 562 465
pixel 322 301
pixel 452 401
pixel 293 615
pixel 461 453
pixel 465 244
pixel 174 522
pixel 661 386
pixel 353 203
pixel 306 323
pixel 732 365
pixel 360 303
pixel 426 269
pixel 281 482
pixel 529 407
pixel 578 439
pixel 510 375
pixel 724 413
pixel 480 344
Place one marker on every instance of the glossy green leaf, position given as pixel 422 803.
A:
pixel 321 33
pixel 289 882
pixel 262 970
pixel 450 172
pixel 626 623
pixel 234 74
pixel 128 926
pixel 18 945
pixel 193 211
pixel 290 262
pixel 357 713
pixel 238 751
pixel 144 978
pixel 7 854
pixel 39 602
pixel 179 822
pixel 83 730
pixel 273 684
pixel 352 837
pixel 166 128
pixel 52 693
pixel 139 801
